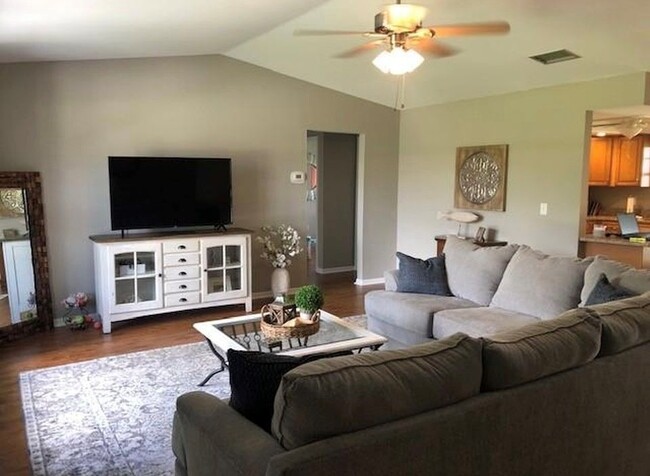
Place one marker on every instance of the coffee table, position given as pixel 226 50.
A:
pixel 243 333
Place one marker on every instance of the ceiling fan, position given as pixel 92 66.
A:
pixel 630 127
pixel 398 28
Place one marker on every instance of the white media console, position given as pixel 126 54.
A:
pixel 154 273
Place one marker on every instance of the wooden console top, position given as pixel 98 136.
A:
pixel 140 236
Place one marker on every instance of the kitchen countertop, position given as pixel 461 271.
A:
pixel 640 219
pixel 611 240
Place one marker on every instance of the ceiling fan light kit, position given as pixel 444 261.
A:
pixel 633 127
pixel 398 61
pixel 399 27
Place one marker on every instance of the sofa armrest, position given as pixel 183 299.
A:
pixel 210 437
pixel 390 280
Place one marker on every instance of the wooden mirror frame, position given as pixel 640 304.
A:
pixel 30 182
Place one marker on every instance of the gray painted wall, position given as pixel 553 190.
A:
pixel 63 119
pixel 548 139
pixel 337 184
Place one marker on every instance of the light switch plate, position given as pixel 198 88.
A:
pixel 543 209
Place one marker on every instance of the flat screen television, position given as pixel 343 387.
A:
pixel 165 192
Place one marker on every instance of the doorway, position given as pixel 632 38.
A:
pixel 331 206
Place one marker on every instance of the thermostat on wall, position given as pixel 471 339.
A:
pixel 297 176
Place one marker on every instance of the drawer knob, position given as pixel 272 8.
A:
pixel 183 286
pixel 182 260
pixel 181 247
pixel 182 300
pixel 182 273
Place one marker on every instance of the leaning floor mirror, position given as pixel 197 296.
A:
pixel 25 297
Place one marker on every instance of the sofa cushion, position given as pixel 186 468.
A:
pixel 637 281
pixel 478 321
pixel 604 291
pixel 473 272
pixel 335 396
pixel 411 311
pixel 422 276
pixel 540 285
pixel 256 376
pixel 626 323
pixel 540 349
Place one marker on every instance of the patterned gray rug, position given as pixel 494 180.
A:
pixel 113 416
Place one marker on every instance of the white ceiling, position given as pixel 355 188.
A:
pixel 612 37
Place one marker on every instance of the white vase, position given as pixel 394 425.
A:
pixel 280 281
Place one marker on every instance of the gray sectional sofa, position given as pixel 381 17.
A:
pixel 564 396
pixel 537 394
pixel 493 290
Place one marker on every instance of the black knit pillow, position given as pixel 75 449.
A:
pixel 255 378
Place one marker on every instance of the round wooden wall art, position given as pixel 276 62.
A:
pixel 481 177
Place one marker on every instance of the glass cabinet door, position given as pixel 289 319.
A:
pixel 136 279
pixel 224 267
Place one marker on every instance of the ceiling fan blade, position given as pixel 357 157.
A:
pixel 433 48
pixel 329 32
pixel 468 29
pixel 360 49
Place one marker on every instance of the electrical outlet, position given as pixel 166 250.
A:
pixel 543 209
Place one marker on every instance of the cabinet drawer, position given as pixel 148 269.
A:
pixel 182 272
pixel 182 286
pixel 180 259
pixel 180 246
pixel 182 299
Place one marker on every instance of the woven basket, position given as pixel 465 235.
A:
pixel 276 331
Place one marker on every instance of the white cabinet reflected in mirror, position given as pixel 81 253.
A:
pixel 17 290
pixel 25 297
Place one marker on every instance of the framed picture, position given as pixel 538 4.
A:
pixel 480 235
pixel 481 173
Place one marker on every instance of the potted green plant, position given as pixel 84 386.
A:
pixel 309 299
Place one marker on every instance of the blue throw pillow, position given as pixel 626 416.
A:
pixel 604 291
pixel 422 276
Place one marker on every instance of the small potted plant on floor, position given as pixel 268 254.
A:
pixel 309 300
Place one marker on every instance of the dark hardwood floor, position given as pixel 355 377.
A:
pixel 63 346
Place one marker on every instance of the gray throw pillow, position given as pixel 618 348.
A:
pixel 422 276
pixel 540 285
pixel 604 291
pixel 473 272
pixel 637 281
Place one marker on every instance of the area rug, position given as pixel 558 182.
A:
pixel 113 416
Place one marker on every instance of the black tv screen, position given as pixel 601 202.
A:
pixel 163 192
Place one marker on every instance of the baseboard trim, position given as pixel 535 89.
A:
pixel 269 294
pixel 368 282
pixel 341 269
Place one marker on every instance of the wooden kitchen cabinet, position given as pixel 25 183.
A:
pixel 600 161
pixel 615 161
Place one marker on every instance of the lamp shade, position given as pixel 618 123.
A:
pixel 404 17
pixel 398 61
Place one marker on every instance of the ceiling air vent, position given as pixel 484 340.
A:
pixel 555 57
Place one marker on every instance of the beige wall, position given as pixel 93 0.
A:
pixel 63 119
pixel 547 136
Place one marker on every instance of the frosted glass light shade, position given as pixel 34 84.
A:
pixel 398 61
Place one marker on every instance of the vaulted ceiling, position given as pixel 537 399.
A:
pixel 612 38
